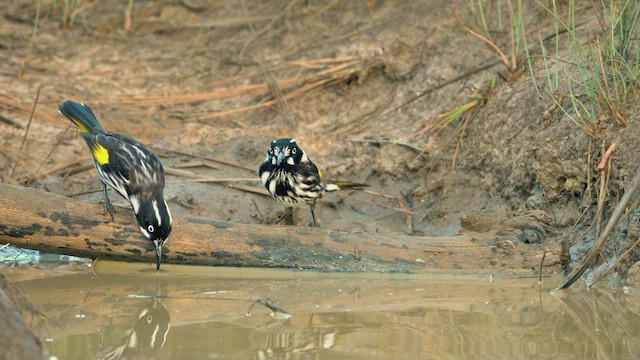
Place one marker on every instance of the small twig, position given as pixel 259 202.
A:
pixel 329 6
pixel 615 263
pixel 465 121
pixel 499 52
pixel 258 211
pixel 53 149
pixel 408 217
pixel 10 122
pixel 15 259
pixel 209 180
pixel 375 193
pixel 227 182
pixel 33 110
pixel 78 169
pixel 128 12
pixel 189 297
pixel 544 254
pixel 605 158
pixel 578 221
pixel 180 152
pixel 15 104
pixel 68 169
pixel 313 72
pixel 378 142
pixel 249 188
pixel 84 193
pixel 270 305
pixel 26 132
pixel 603 186
pixel 303 89
pixel 455 247
pixel 183 204
pixel 32 40
pixel 187 5
pixel 374 204
pixel 193 177
pixel 355 254
pixel 195 163
pixel 283 106
pixel 202 178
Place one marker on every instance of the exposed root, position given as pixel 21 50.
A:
pixel 613 221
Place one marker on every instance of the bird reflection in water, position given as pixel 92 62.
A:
pixel 284 341
pixel 293 342
pixel 148 335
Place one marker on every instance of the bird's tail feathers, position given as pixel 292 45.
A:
pixel 82 116
pixel 342 185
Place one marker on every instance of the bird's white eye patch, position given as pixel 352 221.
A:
pixel 150 228
pixel 145 232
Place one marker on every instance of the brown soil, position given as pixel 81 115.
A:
pixel 366 79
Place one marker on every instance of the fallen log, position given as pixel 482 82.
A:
pixel 48 222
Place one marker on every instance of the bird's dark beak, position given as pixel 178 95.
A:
pixel 279 158
pixel 158 254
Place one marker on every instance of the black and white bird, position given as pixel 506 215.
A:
pixel 293 179
pixel 147 336
pixel 131 169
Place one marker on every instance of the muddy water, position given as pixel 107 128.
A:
pixel 123 311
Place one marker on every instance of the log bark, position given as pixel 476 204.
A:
pixel 48 222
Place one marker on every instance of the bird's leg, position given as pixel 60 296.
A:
pixel 106 203
pixel 312 207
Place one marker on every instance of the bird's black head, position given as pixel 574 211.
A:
pixel 154 219
pixel 151 328
pixel 284 153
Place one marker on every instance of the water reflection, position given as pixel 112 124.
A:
pixel 289 341
pixel 147 335
pixel 334 316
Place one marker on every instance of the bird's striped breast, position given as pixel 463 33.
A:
pixel 292 188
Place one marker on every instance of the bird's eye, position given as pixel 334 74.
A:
pixel 150 228
pixel 294 151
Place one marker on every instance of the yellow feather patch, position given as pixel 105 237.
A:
pixel 81 126
pixel 319 173
pixel 100 153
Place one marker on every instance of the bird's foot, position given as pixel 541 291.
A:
pixel 108 208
